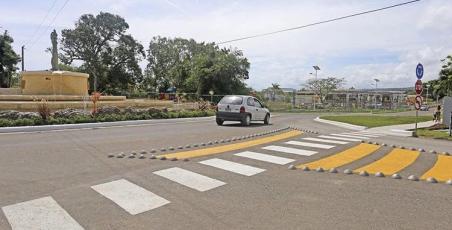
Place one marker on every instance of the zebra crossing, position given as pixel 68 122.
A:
pixel 46 213
pixel 233 167
pixel 42 213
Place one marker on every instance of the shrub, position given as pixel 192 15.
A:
pixel 44 110
pixel 23 122
pixel 75 118
pixel 82 119
pixel 5 122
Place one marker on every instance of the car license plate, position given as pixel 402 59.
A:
pixel 228 109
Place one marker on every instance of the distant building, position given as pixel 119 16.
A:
pixel 272 94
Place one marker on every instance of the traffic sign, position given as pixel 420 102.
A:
pixel 418 102
pixel 418 87
pixel 419 71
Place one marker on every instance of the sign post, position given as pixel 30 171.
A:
pixel 450 125
pixel 418 87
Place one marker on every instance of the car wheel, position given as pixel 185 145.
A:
pixel 267 119
pixel 246 120
pixel 219 121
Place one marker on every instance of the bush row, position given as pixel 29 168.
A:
pixel 103 118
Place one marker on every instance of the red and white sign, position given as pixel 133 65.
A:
pixel 418 103
pixel 418 87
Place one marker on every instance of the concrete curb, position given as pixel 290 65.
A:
pixel 41 128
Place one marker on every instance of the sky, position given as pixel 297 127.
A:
pixel 385 45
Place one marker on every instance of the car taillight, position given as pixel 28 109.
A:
pixel 242 109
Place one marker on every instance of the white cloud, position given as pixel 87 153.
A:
pixel 386 44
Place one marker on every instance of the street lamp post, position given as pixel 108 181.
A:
pixel 211 96
pixel 376 88
pixel 426 96
pixel 316 68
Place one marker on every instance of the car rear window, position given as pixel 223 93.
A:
pixel 231 100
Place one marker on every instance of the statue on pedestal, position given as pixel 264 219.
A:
pixel 54 37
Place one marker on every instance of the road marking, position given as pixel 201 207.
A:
pixel 324 140
pixel 339 138
pixel 42 213
pixel 442 170
pixel 232 167
pixel 190 179
pixel 265 157
pixel 343 158
pixel 361 134
pixel 129 196
pixel 350 136
pixel 232 147
pixel 300 152
pixel 369 133
pixel 393 162
pixel 308 144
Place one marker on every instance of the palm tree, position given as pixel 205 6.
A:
pixel 275 90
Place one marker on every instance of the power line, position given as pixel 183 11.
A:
pixel 42 22
pixel 50 24
pixel 318 23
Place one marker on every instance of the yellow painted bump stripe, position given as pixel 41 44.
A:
pixel 232 147
pixel 393 162
pixel 343 158
pixel 442 170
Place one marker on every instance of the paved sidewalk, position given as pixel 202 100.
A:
pixel 394 130
pixel 400 130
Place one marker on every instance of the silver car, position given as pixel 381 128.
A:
pixel 241 108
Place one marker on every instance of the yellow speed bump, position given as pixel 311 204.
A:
pixel 231 147
pixel 393 162
pixel 442 170
pixel 343 158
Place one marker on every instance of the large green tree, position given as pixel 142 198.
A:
pixel 107 53
pixel 8 60
pixel 195 67
pixel 323 86
pixel 443 85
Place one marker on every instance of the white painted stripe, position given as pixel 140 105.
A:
pixel 301 152
pixel 360 134
pixel 325 140
pixel 190 179
pixel 370 133
pixel 265 157
pixel 42 213
pixel 338 138
pixel 232 167
pixel 308 144
pixel 351 136
pixel 129 196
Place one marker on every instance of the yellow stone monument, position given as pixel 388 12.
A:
pixel 61 89
pixel 54 83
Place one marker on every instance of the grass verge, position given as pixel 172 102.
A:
pixel 377 121
pixel 437 131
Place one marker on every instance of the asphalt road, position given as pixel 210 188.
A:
pixel 64 165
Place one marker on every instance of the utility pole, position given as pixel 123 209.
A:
pixel 23 58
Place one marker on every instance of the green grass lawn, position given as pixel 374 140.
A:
pixel 435 134
pixel 376 121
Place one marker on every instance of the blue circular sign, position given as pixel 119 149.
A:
pixel 419 71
